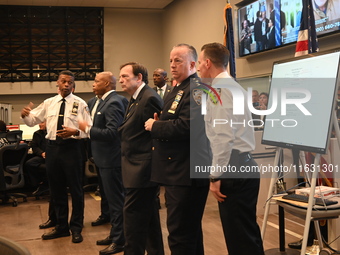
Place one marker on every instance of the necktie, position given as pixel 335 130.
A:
pixel 131 104
pixel 161 93
pixel 61 118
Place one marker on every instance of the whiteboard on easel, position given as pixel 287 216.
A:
pixel 302 99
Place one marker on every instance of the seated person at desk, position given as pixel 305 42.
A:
pixel 260 105
pixel 263 101
pixel 3 132
pixel 35 168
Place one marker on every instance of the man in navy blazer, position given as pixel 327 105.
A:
pixel 141 216
pixel 107 110
pixel 159 79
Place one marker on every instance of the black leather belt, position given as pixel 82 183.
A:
pixel 242 157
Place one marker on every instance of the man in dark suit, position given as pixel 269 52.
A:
pixel 271 35
pixel 160 79
pixel 258 31
pixel 163 89
pixel 108 110
pixel 172 156
pixel 141 217
pixel 35 167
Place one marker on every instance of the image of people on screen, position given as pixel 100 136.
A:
pixel 271 34
pixel 327 15
pixel 267 36
pixel 263 36
pixel 246 38
pixel 258 31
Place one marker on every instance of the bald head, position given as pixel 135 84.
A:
pixel 109 77
pixel 104 82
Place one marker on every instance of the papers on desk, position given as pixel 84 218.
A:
pixel 305 205
pixel 320 191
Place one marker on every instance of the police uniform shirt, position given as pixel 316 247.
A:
pixel 227 137
pixel 76 110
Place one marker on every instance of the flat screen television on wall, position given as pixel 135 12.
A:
pixel 268 24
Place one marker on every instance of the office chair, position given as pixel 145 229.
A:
pixel 91 173
pixel 12 157
pixel 9 247
pixel 14 136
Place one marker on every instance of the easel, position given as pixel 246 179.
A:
pixel 310 200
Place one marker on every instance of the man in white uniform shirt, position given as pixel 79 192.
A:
pixel 64 158
pixel 230 144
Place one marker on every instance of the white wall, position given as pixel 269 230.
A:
pixel 195 22
pixel 133 35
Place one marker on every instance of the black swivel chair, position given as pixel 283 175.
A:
pixel 91 174
pixel 14 136
pixel 12 157
pixel 10 247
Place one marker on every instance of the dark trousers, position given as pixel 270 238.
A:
pixel 51 211
pixel 141 223
pixel 104 204
pixel 64 169
pixel 185 207
pixel 35 171
pixel 238 216
pixel 113 189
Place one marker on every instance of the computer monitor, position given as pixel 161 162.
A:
pixel 290 125
pixel 27 132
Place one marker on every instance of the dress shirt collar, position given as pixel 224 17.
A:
pixel 224 75
pixel 163 88
pixel 135 95
pixel 106 94
pixel 68 98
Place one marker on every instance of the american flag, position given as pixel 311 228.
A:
pixel 307 41
pixel 229 38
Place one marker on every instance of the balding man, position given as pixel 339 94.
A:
pixel 160 79
pixel 107 110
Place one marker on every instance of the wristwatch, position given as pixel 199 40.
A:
pixel 214 179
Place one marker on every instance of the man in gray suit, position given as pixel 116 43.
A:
pixel 107 110
pixel 141 217
pixel 160 79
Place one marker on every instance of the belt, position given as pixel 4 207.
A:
pixel 62 142
pixel 242 157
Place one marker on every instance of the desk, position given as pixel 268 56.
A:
pixel 319 212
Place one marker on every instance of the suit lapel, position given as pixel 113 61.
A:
pixel 101 105
pixel 167 91
pixel 91 103
pixel 103 102
pixel 133 107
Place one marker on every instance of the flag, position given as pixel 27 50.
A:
pixel 229 38
pixel 307 41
